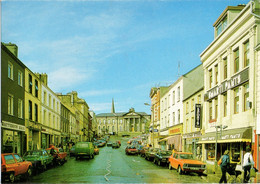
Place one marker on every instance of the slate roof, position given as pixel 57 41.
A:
pixel 119 114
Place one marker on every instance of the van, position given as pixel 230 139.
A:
pixel 84 149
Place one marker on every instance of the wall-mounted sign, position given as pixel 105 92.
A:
pixel 176 130
pixel 197 115
pixel 13 126
pixel 235 81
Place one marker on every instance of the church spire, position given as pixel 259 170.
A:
pixel 113 106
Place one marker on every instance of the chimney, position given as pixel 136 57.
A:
pixel 43 77
pixel 12 48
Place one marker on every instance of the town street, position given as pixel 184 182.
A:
pixel 113 166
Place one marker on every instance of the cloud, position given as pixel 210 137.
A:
pixel 99 92
pixel 68 77
pixel 100 107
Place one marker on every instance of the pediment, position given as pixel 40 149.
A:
pixel 131 114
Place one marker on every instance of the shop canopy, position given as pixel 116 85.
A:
pixel 233 135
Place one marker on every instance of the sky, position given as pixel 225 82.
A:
pixel 106 49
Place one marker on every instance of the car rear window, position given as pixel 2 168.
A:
pixel 18 158
pixel 9 159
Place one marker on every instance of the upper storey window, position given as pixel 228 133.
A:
pixel 221 26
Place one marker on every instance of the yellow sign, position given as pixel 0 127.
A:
pixel 176 130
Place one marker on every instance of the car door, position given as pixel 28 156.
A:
pixel 11 164
pixel 21 165
pixel 175 161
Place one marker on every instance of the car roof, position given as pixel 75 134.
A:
pixel 186 153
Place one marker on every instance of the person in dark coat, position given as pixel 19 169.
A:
pixel 224 166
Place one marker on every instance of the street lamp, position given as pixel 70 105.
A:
pixel 216 144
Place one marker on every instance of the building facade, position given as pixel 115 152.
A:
pixel 229 64
pixel 13 137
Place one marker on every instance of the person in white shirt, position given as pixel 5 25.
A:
pixel 248 162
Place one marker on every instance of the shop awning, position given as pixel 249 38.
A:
pixel 233 135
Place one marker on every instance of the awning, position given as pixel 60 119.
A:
pixel 233 135
pixel 175 139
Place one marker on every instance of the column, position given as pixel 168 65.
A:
pixel 134 129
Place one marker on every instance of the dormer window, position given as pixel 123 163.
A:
pixel 221 26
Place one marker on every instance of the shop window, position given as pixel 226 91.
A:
pixel 10 104
pixel 11 142
pixel 235 152
pixel 246 54
pixel 211 152
pixel 236 101
pixel 236 60
pixel 246 97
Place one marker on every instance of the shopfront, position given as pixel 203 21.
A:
pixel 190 143
pixel 12 138
pixel 234 140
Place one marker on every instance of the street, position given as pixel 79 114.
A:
pixel 113 166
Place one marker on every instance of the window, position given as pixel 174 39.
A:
pixel 162 105
pixel 235 152
pixel 192 104
pixel 179 116
pixel 53 104
pixel 173 97
pixel 179 93
pixel 36 89
pixel 169 100
pixel 54 125
pixel 49 119
pixel 10 70
pixel 199 99
pixel 216 74
pixel 221 26
pixel 173 117
pixel 18 158
pixel 44 117
pixel 246 97
pixel 225 67
pixel 30 83
pixel 10 104
pixel 20 108
pixel 20 78
pixel 49 100
pixel 36 112
pixel 9 159
pixel 236 101
pixel 210 110
pixel 216 108
pixel 210 78
pixel 246 54
pixel 187 107
pixel 45 97
pixel 225 104
pixel 236 60
pixel 30 110
pixel 104 121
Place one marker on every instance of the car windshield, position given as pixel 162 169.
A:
pixel 186 156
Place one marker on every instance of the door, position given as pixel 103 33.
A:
pixel 22 167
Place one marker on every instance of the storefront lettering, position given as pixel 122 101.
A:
pixel 13 126
pixel 176 130
pixel 226 85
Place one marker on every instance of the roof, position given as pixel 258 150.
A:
pixel 119 114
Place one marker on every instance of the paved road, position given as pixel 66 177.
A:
pixel 113 166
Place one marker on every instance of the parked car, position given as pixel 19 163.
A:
pixel 115 145
pixel 131 150
pixel 59 156
pixel 96 150
pixel 162 157
pixel 72 151
pixel 109 144
pixel 84 149
pixel 12 166
pixel 119 142
pixel 150 154
pixel 101 143
pixel 139 148
pixel 143 151
pixel 184 162
pixel 40 159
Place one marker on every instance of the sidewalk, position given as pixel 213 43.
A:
pixel 214 178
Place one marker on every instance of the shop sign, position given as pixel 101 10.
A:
pixel 175 130
pixel 13 126
pixel 197 115
pixel 45 130
pixel 235 81
pixel 191 135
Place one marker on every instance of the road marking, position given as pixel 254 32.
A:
pixel 135 160
pixel 108 166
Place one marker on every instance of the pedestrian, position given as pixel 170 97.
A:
pixel 225 164
pixel 248 162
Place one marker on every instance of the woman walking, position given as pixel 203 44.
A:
pixel 224 166
pixel 247 164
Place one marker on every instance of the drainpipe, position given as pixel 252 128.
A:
pixel 251 8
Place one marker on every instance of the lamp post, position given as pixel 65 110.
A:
pixel 216 143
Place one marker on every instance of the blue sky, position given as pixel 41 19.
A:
pixel 113 48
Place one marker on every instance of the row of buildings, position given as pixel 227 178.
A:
pixel 215 106
pixel 33 116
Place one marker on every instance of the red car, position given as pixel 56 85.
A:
pixel 131 150
pixel 60 157
pixel 184 162
pixel 13 166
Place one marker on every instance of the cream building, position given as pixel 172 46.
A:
pixel 230 77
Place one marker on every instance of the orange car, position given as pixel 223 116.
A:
pixel 12 165
pixel 60 157
pixel 184 162
pixel 96 150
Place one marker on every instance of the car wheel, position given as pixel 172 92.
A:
pixel 29 172
pixel 154 161
pixel 170 167
pixel 179 170
pixel 11 177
